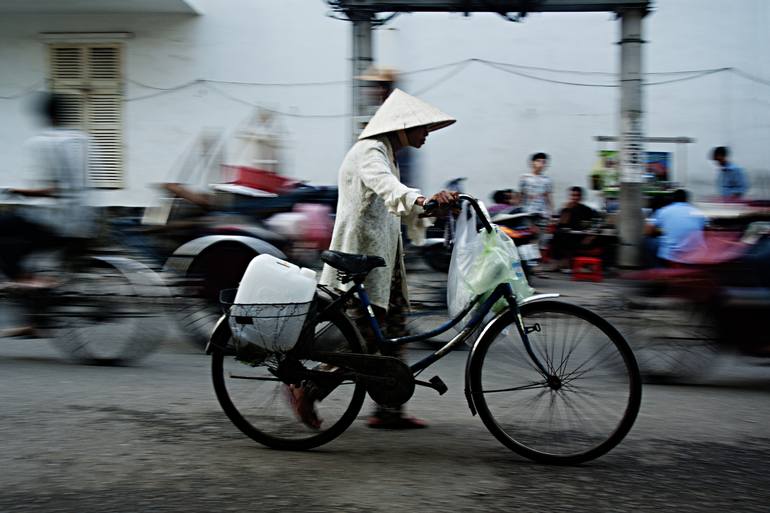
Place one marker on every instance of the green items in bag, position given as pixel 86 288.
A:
pixel 498 262
pixel 480 262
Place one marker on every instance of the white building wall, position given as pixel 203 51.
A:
pixel 503 118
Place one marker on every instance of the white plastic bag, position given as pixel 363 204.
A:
pixel 480 262
pixel 497 262
pixel 467 246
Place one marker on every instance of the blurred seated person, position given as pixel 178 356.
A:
pixel 674 231
pixel 574 217
pixel 505 201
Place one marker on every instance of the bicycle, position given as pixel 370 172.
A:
pixel 100 307
pixel 573 381
pixel 103 309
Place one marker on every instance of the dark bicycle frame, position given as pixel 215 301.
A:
pixel 503 290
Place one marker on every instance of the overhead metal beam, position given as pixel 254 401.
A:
pixel 494 6
pixel 667 140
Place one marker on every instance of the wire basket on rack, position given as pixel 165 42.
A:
pixel 271 327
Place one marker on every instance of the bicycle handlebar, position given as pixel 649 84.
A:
pixel 433 205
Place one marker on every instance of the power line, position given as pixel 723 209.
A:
pixel 173 88
pixel 553 81
pixel 703 74
pixel 455 68
pixel 163 91
pixel 747 76
pixel 274 111
pixel 289 84
pixel 456 71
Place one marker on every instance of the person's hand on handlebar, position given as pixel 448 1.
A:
pixel 438 203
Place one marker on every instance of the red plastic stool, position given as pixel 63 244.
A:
pixel 587 268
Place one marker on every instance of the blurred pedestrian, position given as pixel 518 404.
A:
pixel 378 83
pixel 732 183
pixel 372 204
pixel 674 231
pixel 536 188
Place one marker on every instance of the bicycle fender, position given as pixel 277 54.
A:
pixel 220 335
pixel 183 257
pixel 501 317
pixel 538 297
pixel 138 274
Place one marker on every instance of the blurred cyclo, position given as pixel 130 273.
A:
pixel 204 234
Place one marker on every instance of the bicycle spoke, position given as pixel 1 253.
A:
pixel 512 389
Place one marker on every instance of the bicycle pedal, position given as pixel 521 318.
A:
pixel 438 385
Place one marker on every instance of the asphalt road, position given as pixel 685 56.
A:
pixel 152 438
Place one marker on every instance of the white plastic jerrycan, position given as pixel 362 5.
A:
pixel 271 305
pixel 271 280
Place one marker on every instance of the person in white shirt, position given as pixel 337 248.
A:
pixel 61 156
pixel 536 188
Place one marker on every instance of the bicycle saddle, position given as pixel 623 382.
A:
pixel 352 264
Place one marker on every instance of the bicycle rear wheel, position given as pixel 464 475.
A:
pixel 581 409
pixel 258 402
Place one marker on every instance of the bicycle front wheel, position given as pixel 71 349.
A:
pixel 581 408
pixel 258 402
pixel 110 312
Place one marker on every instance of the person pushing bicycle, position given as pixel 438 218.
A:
pixel 372 205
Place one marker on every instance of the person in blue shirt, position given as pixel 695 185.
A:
pixel 679 227
pixel 731 181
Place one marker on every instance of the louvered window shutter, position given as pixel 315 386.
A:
pixel 90 78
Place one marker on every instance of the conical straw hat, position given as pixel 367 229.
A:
pixel 401 111
pixel 376 74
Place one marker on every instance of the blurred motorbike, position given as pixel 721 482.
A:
pixel 719 301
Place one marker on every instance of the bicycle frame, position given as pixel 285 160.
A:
pixel 503 290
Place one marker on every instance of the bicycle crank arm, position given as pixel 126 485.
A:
pixel 435 383
pixel 389 381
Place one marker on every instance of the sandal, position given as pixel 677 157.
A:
pixel 395 422
pixel 303 406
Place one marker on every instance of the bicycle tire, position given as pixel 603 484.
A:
pixel 110 313
pixel 527 435
pixel 307 438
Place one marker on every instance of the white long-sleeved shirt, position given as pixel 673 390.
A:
pixel 372 204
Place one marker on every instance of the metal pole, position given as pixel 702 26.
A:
pixel 682 157
pixel 630 220
pixel 362 60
